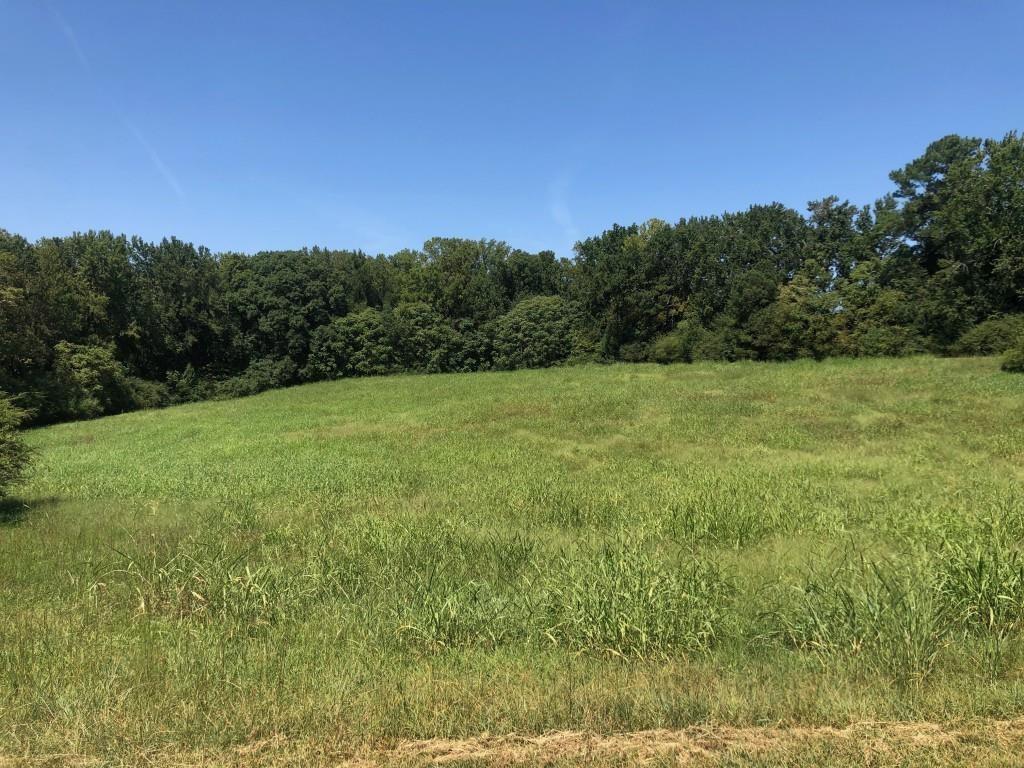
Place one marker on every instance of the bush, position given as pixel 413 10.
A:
pixel 679 345
pixel 1013 362
pixel 720 343
pixel 536 333
pixel 669 349
pixel 799 323
pixel 991 337
pixel 427 343
pixel 875 339
pixel 187 386
pixel 358 344
pixel 260 376
pixel 91 382
pixel 14 454
pixel 635 352
pixel 143 393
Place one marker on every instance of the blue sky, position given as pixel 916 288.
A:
pixel 376 125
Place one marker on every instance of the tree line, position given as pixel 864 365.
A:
pixel 98 323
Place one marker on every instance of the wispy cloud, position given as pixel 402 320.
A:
pixel 558 207
pixel 70 35
pixel 157 161
pixel 147 147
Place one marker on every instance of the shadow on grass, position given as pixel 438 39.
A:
pixel 14 510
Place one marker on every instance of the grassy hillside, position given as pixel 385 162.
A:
pixel 340 567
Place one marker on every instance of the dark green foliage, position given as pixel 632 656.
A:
pixel 14 454
pixel 276 300
pixel 182 314
pixel 96 323
pixel 427 343
pixel 671 348
pixel 463 279
pixel 91 381
pixel 535 333
pixel 680 345
pixel 360 344
pixel 880 314
pixel 799 323
pixel 963 207
pixel 188 387
pixel 260 376
pixel 991 337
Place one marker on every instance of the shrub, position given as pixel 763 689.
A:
pixel 720 343
pixel 1013 362
pixel 91 381
pixel 187 386
pixel 475 346
pixel 14 454
pixel 358 344
pixel 679 345
pixel 426 342
pixel 876 339
pixel 991 337
pixel 536 333
pixel 799 323
pixel 635 352
pixel 143 393
pixel 669 349
pixel 260 376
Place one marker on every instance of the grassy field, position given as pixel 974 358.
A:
pixel 333 572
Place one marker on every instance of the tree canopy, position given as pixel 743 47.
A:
pixel 98 323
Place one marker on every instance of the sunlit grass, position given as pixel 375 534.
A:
pixel 610 548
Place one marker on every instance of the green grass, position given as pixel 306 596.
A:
pixel 603 549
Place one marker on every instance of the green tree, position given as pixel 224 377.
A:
pixel 925 185
pixel 14 454
pixel 799 323
pixel 534 274
pixel 963 212
pixel 274 301
pixel 92 382
pixel 463 279
pixel 182 308
pixel 880 312
pixel 44 299
pixel 426 342
pixel 536 333
pixel 359 344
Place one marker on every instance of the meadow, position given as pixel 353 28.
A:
pixel 808 556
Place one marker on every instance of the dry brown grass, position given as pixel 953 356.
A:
pixel 858 744
pixel 987 743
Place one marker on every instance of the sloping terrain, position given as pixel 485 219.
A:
pixel 706 564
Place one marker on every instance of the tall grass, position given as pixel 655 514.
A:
pixel 616 548
pixel 886 617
